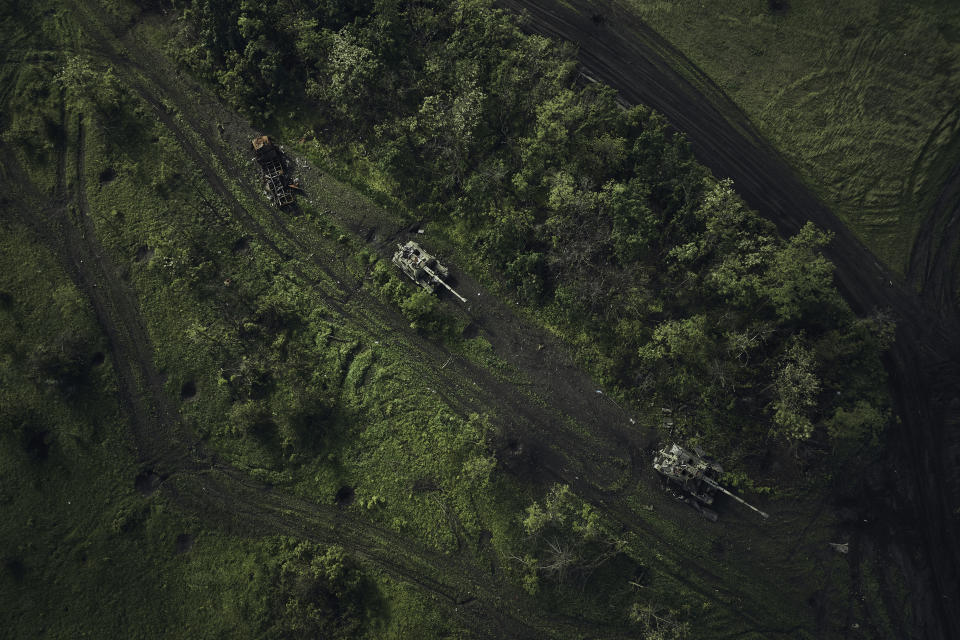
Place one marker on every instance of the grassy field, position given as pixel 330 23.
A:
pixel 860 96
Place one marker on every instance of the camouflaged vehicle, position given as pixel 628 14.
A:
pixel 696 476
pixel 422 268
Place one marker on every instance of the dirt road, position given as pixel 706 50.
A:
pixel 916 495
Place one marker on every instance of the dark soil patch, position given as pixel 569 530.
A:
pixel 345 496
pixel 189 390
pixel 470 331
pixel 153 6
pixel 519 458
pixel 717 548
pixel 425 485
pixel 950 33
pixel 6 300
pixel 597 19
pixel 641 573
pixel 267 432
pixel 485 537
pixel 779 7
pixel 183 543
pixel 850 32
pixel 242 245
pixel 107 175
pixel 37 443
pixel 147 483
pixel 97 359
pixel 16 568
pixel 143 253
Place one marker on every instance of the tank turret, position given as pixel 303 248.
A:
pixel 697 476
pixel 422 268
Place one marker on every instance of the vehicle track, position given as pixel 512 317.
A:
pixel 934 255
pixel 140 389
pixel 932 268
pixel 241 504
pixel 563 391
pixel 924 362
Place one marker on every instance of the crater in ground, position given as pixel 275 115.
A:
pixel 242 245
pixel 189 390
pixel 143 253
pixel 108 175
pixel 147 482
pixel 183 543
pixel 345 496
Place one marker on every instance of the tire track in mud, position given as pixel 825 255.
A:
pixel 117 314
pixel 932 268
pixel 924 362
pixel 933 261
pixel 562 391
pixel 934 255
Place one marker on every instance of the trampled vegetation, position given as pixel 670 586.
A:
pixel 298 358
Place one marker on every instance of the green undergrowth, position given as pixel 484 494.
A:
pixel 84 554
pixel 859 96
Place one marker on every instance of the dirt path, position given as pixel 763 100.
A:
pixel 933 258
pixel 932 269
pixel 218 493
pixel 921 486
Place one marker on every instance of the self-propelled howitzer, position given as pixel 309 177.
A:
pixel 696 476
pixel 422 268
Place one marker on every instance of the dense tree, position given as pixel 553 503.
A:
pixel 566 538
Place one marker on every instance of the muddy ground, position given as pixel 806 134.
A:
pixel 912 502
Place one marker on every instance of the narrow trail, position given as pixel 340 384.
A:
pixel 932 269
pixel 924 363
pixel 934 256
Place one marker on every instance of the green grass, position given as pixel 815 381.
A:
pixel 84 555
pixel 861 97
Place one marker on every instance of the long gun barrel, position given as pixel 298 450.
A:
pixel 715 485
pixel 437 278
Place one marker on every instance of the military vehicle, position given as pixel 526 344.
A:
pixel 696 476
pixel 272 165
pixel 422 268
